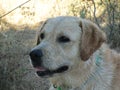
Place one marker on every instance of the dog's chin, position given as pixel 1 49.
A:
pixel 43 72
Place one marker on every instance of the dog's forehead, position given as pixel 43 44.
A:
pixel 63 25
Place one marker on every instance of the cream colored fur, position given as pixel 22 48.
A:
pixel 92 65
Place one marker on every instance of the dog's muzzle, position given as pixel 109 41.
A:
pixel 36 56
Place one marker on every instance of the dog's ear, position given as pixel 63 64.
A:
pixel 42 24
pixel 91 39
pixel 38 39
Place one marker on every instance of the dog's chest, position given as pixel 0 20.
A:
pixel 90 86
pixel 100 80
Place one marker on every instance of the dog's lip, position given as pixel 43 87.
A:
pixel 41 71
pixel 37 69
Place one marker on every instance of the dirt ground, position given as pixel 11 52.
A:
pixel 15 68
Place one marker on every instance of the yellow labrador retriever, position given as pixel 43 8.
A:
pixel 71 52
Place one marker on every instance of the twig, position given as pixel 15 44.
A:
pixel 14 9
pixel 94 13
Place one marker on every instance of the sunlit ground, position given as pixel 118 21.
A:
pixel 34 11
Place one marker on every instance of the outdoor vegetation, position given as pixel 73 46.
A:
pixel 18 27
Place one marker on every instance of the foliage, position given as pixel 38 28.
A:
pixel 113 22
pixel 108 20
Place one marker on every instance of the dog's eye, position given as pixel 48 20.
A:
pixel 63 39
pixel 42 35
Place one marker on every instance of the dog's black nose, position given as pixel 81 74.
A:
pixel 35 56
pixel 36 53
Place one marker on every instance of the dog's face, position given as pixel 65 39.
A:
pixel 62 43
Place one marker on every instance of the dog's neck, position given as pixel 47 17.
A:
pixel 94 70
pixel 98 63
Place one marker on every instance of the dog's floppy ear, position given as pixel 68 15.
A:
pixel 91 39
pixel 42 24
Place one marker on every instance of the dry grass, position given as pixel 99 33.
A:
pixel 16 72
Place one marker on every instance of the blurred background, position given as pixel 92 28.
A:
pixel 19 22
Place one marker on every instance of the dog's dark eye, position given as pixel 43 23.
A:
pixel 42 35
pixel 63 39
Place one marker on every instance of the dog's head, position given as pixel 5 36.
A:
pixel 62 42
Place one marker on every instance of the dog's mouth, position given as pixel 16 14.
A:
pixel 41 71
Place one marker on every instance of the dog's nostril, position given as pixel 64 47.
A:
pixel 36 54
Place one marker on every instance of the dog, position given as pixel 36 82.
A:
pixel 72 53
